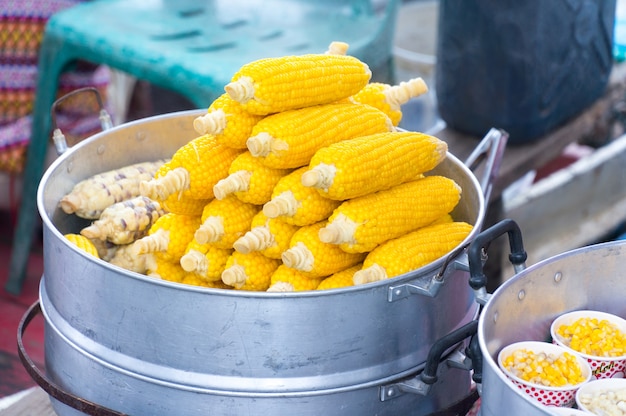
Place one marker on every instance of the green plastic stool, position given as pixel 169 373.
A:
pixel 190 47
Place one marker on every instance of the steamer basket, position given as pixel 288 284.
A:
pixel 130 342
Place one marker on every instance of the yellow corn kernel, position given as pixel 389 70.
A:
pixel 390 98
pixel 593 336
pixel 193 170
pixel 126 221
pixel 223 221
pixel 411 251
pixel 251 271
pixel 183 205
pixel 361 224
pixel 195 280
pixel 313 257
pixel 363 165
pixel 289 139
pixel 228 121
pixel 544 369
pixel 91 196
pixel 161 267
pixel 269 236
pixel 273 85
pixel 83 243
pixel 297 204
pixel 205 260
pixel 340 279
pixel 249 180
pixel 286 279
pixel 169 236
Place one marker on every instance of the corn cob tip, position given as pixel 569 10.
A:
pixel 341 230
pixel 192 260
pixel 257 239
pixel 70 203
pixel 284 203
pixel 337 48
pixel 96 231
pixel 400 94
pixel 175 181
pixel 298 257
pixel 374 273
pixel 210 123
pixel 281 287
pixel 241 90
pixel 234 276
pixel 156 242
pixel 235 182
pixel 211 230
pixel 320 176
pixel 263 144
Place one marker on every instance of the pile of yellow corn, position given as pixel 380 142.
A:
pixel 593 336
pixel 298 180
pixel 544 369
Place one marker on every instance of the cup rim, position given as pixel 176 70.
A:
pixel 572 315
pixel 546 347
pixel 620 382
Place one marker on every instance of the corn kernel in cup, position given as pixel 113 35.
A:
pixel 546 372
pixel 599 337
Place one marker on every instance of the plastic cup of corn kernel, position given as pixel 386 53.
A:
pixel 555 384
pixel 603 397
pixel 599 337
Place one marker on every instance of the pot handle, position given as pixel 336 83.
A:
pixel 470 359
pixel 48 385
pixel 491 148
pixel 60 144
pixel 476 254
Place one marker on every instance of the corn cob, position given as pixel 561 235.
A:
pixel 313 257
pixel 390 98
pixel 252 271
pixel 161 267
pixel 168 236
pixel 193 170
pixel 126 221
pixel 195 280
pixel 274 85
pixel 249 180
pixel 286 279
pixel 269 236
pixel 340 279
pixel 358 225
pixel 289 139
pixel 205 260
pixel 223 221
pixel 91 196
pixel 297 204
pixel 228 121
pixel 83 243
pixel 127 258
pixel 183 205
pixel 106 250
pixel 367 164
pixel 411 251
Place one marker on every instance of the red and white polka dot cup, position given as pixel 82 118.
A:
pixel 549 396
pixel 601 367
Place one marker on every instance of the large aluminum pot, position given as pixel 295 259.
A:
pixel 128 341
pixel 523 307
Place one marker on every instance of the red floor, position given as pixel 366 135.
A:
pixel 13 376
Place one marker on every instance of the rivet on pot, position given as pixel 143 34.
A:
pixel 70 166
pixel 521 295
pixel 558 276
pixel 101 149
pixel 495 317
